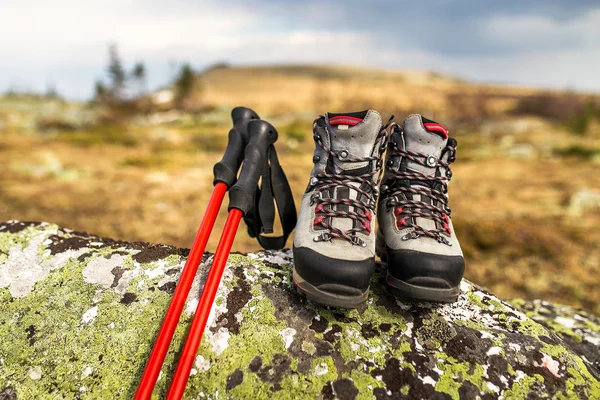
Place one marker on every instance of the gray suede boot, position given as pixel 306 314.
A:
pixel 415 234
pixel 334 243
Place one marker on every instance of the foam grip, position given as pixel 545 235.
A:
pixel 242 194
pixel 226 170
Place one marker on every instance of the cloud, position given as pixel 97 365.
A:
pixel 535 42
pixel 532 33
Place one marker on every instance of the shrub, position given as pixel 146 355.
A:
pixel 53 124
pixel 298 130
pixel 574 111
pixel 100 135
pixel 577 151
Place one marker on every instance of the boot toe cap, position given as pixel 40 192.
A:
pixel 426 269
pixel 332 274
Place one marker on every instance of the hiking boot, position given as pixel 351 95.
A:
pixel 334 243
pixel 415 234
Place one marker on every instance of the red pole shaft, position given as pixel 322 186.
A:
pixel 188 354
pixel 163 340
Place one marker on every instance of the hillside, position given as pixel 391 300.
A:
pixel 307 89
pixel 524 200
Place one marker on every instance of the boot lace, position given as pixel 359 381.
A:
pixel 406 210
pixel 326 208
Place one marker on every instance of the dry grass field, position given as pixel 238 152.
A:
pixel 525 193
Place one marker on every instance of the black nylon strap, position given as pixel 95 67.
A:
pixel 260 220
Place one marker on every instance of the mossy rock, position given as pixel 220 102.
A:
pixel 78 316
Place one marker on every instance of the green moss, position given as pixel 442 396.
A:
pixel 455 374
pixel 522 388
pixel 435 331
pixel 311 383
pixel 578 373
pixel 498 306
pixel 8 240
pixel 591 326
pixel 362 380
pixel 48 333
pixel 532 328
pixel 475 300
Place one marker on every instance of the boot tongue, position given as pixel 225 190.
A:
pixel 424 136
pixel 429 138
pixel 353 135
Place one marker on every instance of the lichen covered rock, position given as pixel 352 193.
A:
pixel 78 316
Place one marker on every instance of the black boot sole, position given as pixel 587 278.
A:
pixel 421 293
pixel 323 297
pixel 413 292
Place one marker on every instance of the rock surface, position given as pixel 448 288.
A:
pixel 78 316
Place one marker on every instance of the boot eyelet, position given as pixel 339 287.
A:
pixel 314 197
pixel 443 240
pixel 323 237
pixel 431 161
pixel 358 241
pixel 448 173
pixel 316 159
pixel 343 155
pixel 411 235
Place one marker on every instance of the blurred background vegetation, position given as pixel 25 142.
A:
pixel 135 164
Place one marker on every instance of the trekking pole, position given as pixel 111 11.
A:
pixel 225 173
pixel 241 201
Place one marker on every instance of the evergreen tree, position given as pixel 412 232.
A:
pixel 100 91
pixel 185 83
pixel 139 75
pixel 116 74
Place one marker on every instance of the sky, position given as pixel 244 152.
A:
pixel 64 43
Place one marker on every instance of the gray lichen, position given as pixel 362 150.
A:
pixel 79 315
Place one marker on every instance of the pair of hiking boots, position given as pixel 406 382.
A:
pixel 335 241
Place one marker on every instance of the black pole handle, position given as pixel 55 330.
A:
pixel 262 136
pixel 226 170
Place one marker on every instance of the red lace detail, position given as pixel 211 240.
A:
pixel 401 196
pixel 327 207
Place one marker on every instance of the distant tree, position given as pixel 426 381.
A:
pixel 139 71
pixel 185 83
pixel 116 74
pixel 139 75
pixel 100 91
pixel 12 91
pixel 51 92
